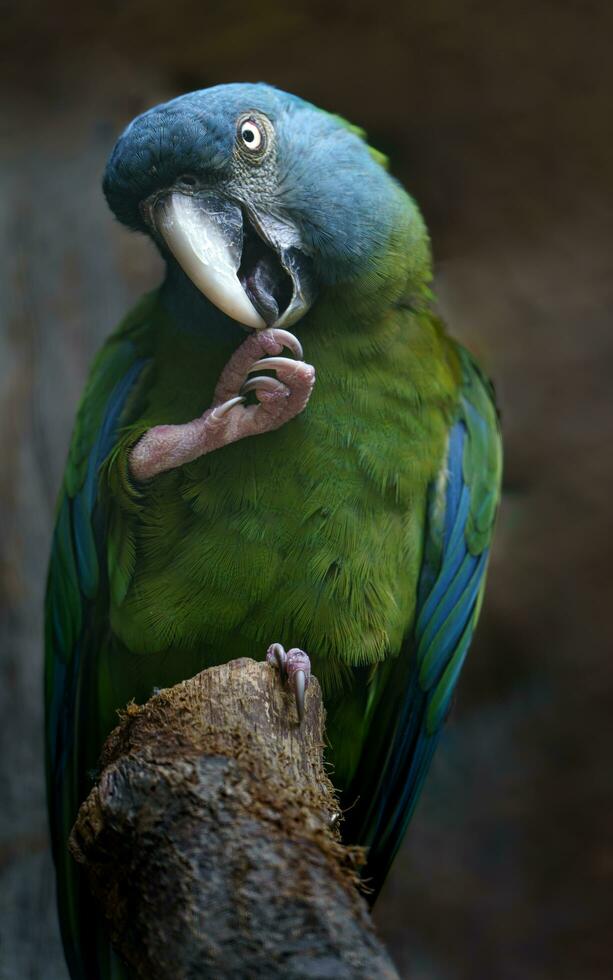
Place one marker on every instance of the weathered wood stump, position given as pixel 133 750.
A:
pixel 210 838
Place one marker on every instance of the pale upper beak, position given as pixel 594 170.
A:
pixel 205 233
pixel 206 241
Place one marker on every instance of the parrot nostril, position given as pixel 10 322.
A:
pixel 187 180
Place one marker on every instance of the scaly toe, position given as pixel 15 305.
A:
pixel 277 657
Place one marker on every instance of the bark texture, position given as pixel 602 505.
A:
pixel 210 838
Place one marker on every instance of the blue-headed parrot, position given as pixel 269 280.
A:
pixel 226 493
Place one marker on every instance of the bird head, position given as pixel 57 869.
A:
pixel 262 199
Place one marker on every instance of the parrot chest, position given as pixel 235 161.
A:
pixel 288 537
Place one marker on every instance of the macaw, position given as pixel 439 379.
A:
pixel 224 495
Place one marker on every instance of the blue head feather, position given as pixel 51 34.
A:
pixel 328 182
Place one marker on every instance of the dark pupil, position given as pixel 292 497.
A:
pixel 248 135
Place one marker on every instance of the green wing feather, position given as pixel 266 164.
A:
pixel 411 696
pixel 75 623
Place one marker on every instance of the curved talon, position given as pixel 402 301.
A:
pixel 262 382
pixel 277 656
pixel 221 410
pixel 288 340
pixel 299 689
pixel 272 363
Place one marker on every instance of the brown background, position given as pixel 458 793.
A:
pixel 497 116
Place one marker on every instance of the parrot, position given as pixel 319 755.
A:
pixel 233 491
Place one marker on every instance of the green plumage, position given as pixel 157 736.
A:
pixel 327 534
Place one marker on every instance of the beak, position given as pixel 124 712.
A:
pixel 205 235
pixel 283 285
pixel 249 266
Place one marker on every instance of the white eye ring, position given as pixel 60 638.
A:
pixel 251 135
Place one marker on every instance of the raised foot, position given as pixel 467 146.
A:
pixel 230 418
pixel 295 669
pixel 279 398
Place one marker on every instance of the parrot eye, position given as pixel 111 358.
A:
pixel 187 180
pixel 252 135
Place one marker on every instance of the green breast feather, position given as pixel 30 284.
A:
pixel 313 535
pixel 348 510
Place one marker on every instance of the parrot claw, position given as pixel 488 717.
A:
pixel 288 340
pixel 262 383
pixel 272 363
pixel 295 379
pixel 295 669
pixel 299 690
pixel 231 416
pixel 220 410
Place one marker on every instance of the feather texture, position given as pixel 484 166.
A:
pixel 73 590
pixel 461 514
pixel 358 531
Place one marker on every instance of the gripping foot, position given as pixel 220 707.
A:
pixel 295 669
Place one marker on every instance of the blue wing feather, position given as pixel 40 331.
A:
pixel 73 584
pixel 76 560
pixel 451 582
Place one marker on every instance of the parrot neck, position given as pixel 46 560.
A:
pixel 398 271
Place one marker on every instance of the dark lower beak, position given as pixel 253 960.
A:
pixel 275 270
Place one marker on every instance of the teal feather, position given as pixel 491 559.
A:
pixel 73 584
pixel 452 580
pixel 87 555
pixel 434 649
pixel 441 698
pixel 64 590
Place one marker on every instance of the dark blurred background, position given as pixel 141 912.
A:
pixel 497 117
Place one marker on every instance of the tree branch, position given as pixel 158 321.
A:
pixel 209 839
